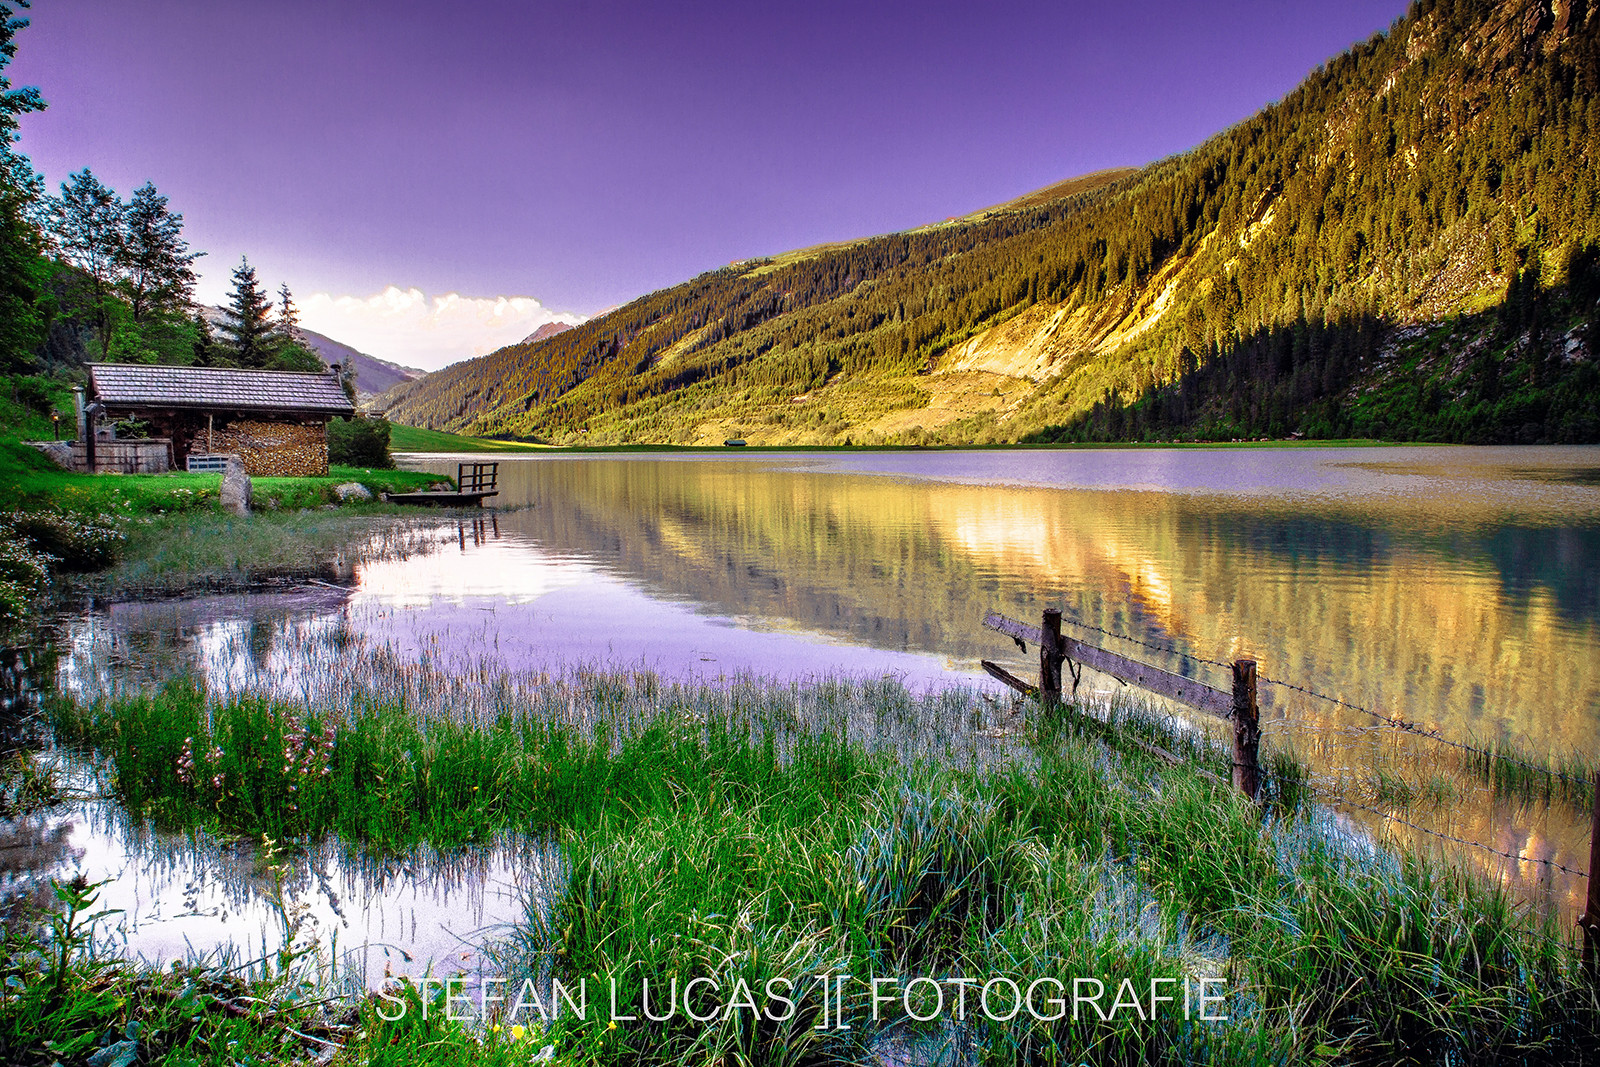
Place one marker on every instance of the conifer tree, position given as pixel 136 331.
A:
pixel 288 325
pixel 247 328
pixel 287 341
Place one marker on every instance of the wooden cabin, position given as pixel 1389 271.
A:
pixel 276 421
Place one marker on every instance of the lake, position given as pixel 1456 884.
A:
pixel 1455 588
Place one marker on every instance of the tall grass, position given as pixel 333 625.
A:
pixel 755 832
pixel 1515 772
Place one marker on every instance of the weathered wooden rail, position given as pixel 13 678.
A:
pixel 1163 683
pixel 1239 707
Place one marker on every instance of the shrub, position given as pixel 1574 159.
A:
pixel 32 393
pixel 359 442
pixel 24 575
pixel 75 542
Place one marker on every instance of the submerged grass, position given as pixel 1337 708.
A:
pixel 727 844
pixel 1522 775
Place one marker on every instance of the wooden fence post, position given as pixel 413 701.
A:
pixel 1246 728
pixel 1050 658
pixel 1590 920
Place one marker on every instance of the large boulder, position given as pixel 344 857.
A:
pixel 352 491
pixel 235 493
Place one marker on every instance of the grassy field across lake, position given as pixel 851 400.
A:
pixel 417 439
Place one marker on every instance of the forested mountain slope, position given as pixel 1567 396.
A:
pixel 1405 246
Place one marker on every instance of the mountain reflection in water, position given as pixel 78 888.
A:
pixel 1455 588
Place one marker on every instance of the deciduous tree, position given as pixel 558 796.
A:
pixel 87 233
pixel 22 269
pixel 157 271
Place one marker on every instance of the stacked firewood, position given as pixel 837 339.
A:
pixel 275 449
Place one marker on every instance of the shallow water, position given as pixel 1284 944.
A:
pixel 356 918
pixel 1456 588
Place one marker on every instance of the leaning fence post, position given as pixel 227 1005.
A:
pixel 1050 658
pixel 1246 728
pixel 1590 920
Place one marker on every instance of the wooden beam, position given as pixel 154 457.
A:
pixel 998 672
pixel 1051 651
pixel 1187 691
pixel 1020 630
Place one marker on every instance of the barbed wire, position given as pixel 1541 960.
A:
pixel 1393 722
pixel 1146 644
pixel 1337 798
pixel 1396 723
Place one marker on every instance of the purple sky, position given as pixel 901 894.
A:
pixel 585 153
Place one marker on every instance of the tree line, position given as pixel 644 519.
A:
pixel 87 276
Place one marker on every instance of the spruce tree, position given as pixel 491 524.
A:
pixel 247 328
pixel 289 350
pixel 288 326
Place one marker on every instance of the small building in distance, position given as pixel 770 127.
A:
pixel 276 421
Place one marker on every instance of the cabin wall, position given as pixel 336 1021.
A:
pixel 111 456
pixel 286 446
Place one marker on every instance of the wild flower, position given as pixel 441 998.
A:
pixel 186 762
pixel 307 755
pixel 214 757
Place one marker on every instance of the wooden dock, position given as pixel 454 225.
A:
pixel 474 483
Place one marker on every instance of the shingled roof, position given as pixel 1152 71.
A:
pixel 119 385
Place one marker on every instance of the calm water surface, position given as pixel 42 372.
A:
pixel 1458 588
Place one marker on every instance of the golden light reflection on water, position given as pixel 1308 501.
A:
pixel 1455 607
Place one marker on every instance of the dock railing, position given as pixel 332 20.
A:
pixel 477 477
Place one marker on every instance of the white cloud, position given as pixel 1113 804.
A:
pixel 408 326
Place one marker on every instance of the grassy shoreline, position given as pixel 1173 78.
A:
pixel 211 552
pixel 134 535
pixel 484 444
pixel 763 832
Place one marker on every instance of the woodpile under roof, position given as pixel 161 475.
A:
pixel 274 449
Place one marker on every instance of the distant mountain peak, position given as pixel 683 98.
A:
pixel 549 329
pixel 373 375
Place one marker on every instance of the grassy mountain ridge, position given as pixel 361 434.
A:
pixel 1405 244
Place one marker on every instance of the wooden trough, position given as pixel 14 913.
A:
pixel 474 482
